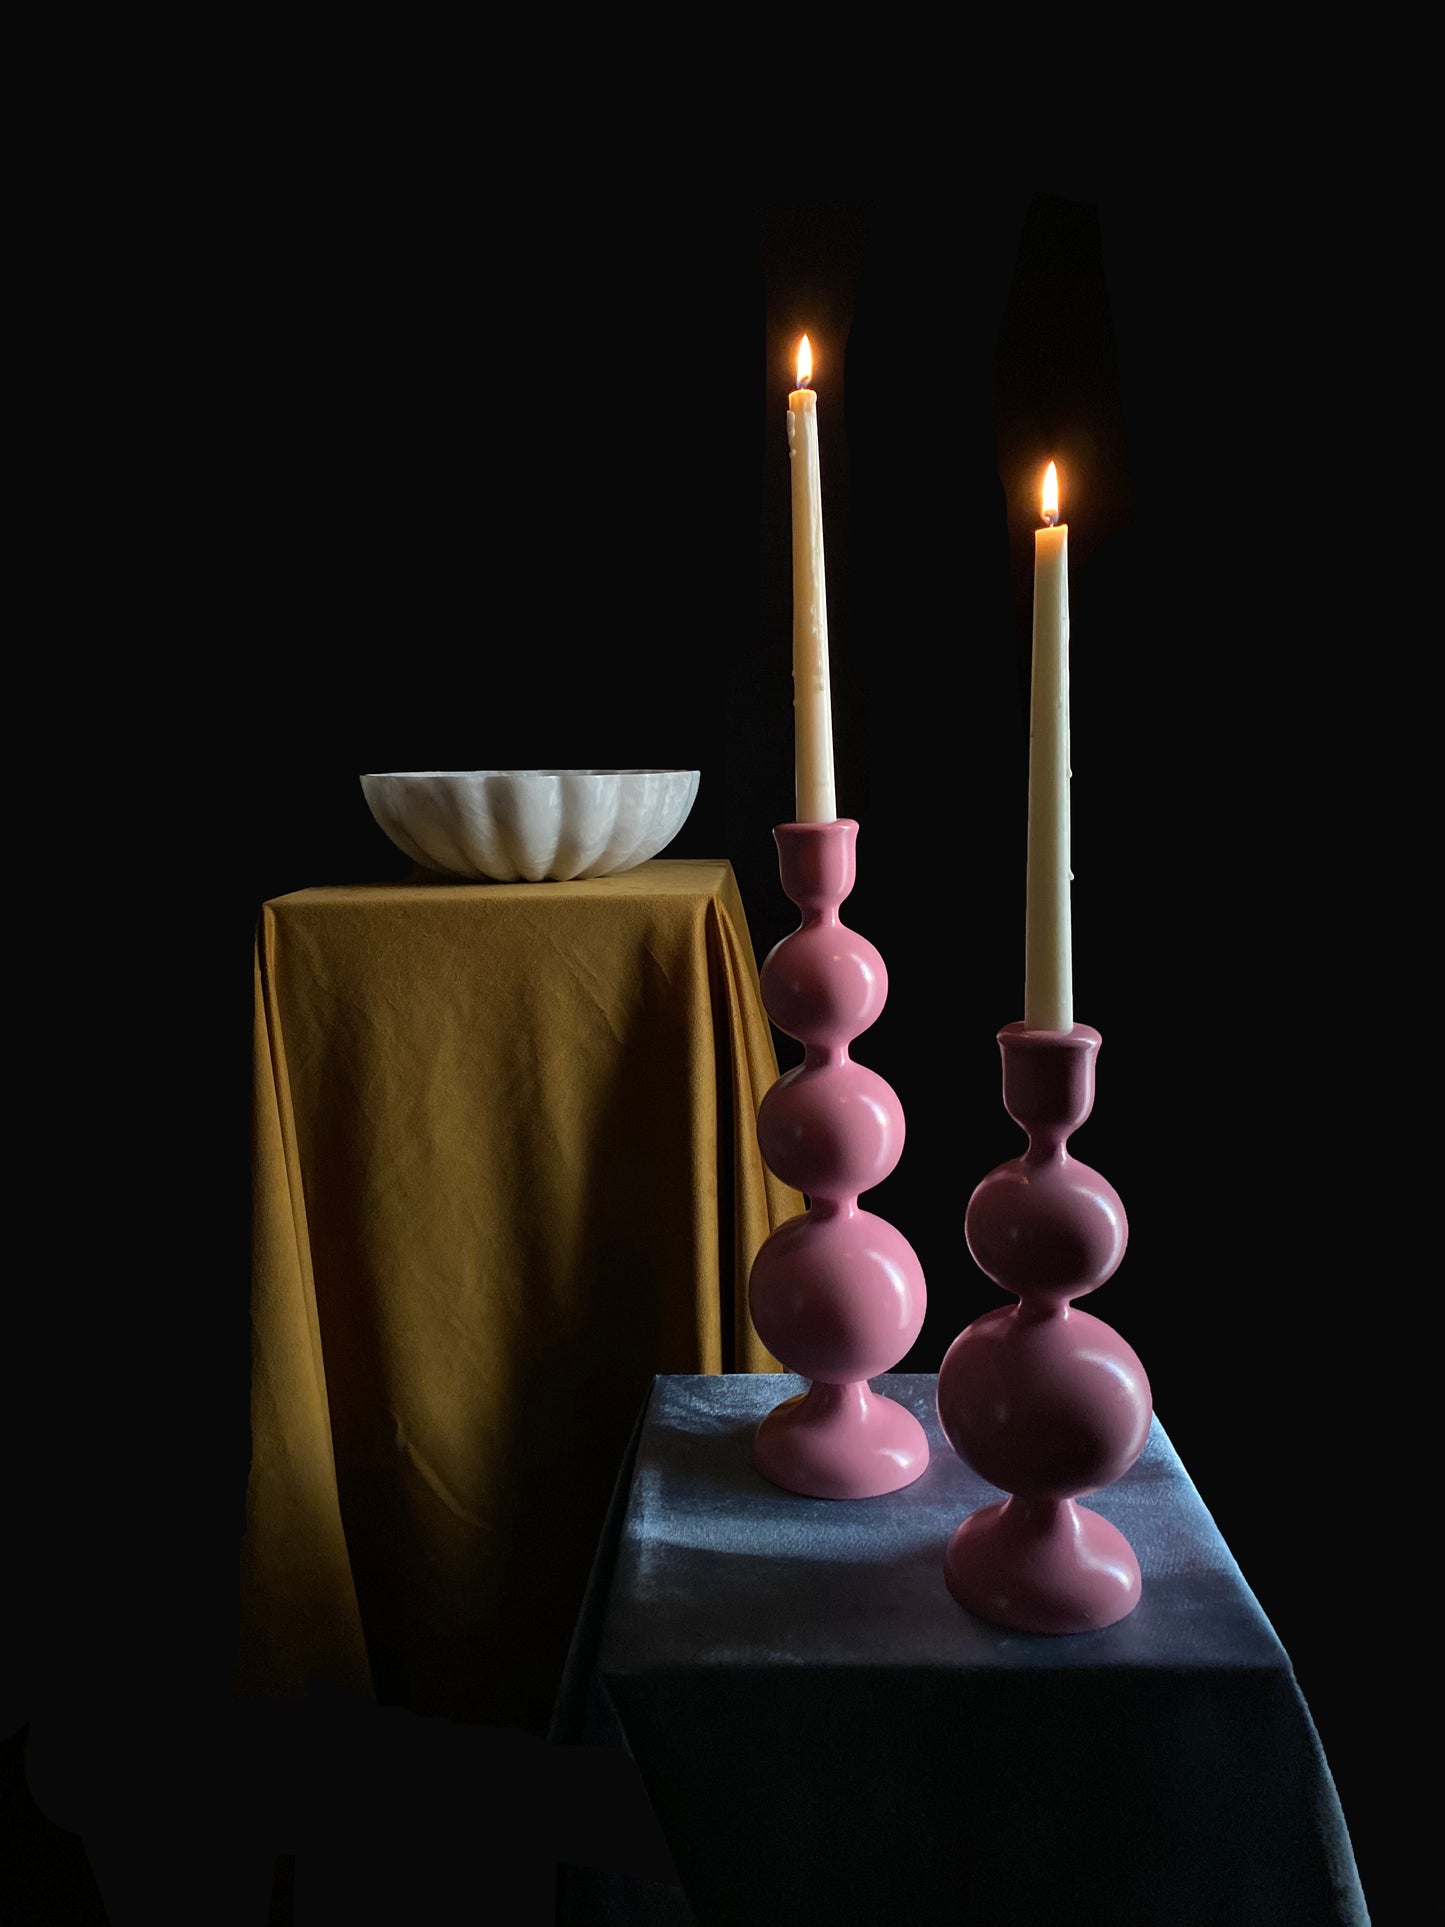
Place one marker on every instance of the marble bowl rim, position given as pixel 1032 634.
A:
pixel 431 775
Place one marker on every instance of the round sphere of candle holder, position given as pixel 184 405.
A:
pixel 837 1294
pixel 1041 1399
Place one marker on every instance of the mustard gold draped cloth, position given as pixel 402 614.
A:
pixel 505 1171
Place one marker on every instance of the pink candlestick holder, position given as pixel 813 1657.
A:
pixel 1044 1401
pixel 835 1293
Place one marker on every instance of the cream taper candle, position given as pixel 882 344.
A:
pixel 1048 948
pixel 812 704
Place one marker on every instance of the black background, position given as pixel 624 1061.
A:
pixel 511 490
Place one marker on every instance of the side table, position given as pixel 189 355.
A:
pixel 506 1170
pixel 826 1736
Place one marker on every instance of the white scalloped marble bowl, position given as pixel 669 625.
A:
pixel 527 825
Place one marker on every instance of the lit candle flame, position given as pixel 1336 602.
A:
pixel 805 362
pixel 1051 495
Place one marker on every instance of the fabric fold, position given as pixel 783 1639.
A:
pixel 299 1610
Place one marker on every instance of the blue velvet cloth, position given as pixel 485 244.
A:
pixel 826 1736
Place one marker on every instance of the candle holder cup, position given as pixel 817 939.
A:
pixel 836 1293
pixel 1042 1400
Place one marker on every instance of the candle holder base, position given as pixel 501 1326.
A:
pixel 1042 1566
pixel 840 1442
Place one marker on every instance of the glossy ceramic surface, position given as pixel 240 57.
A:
pixel 837 1293
pixel 1041 1399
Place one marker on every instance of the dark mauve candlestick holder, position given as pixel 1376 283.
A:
pixel 836 1293
pixel 1044 1401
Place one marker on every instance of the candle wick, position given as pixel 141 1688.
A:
pixel 1051 516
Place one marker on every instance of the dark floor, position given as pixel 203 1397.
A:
pixel 45 1877
pixel 334 1812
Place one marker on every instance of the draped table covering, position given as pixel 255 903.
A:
pixel 827 1737
pixel 505 1171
